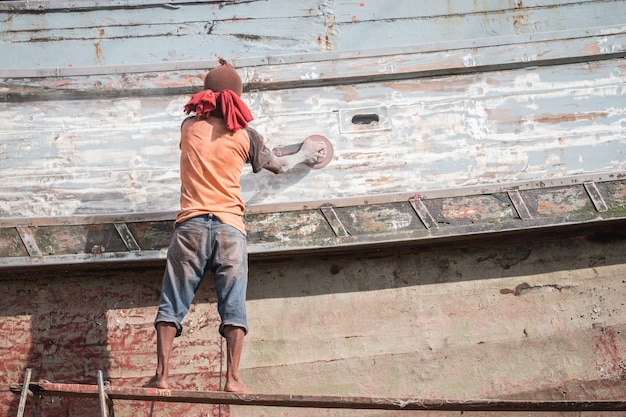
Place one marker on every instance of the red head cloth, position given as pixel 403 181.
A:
pixel 236 113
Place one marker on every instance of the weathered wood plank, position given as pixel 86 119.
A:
pixel 464 20
pixel 348 11
pixel 310 70
pixel 245 29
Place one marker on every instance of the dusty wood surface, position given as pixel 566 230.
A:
pixel 121 155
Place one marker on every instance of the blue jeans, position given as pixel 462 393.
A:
pixel 198 245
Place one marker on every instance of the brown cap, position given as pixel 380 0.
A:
pixel 224 77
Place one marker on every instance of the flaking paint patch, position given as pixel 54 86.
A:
pixel 468 60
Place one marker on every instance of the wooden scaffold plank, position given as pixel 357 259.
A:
pixel 326 402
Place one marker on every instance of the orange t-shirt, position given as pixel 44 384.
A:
pixel 211 162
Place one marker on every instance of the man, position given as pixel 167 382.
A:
pixel 209 232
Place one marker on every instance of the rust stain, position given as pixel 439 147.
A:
pixel 166 82
pixel 327 41
pixel 382 180
pixel 58 83
pixel 544 207
pixel 97 46
pixel 473 209
pixel 460 212
pixel 324 43
pixel 606 346
pixel 518 21
pixel 191 79
pixel 571 117
pixel 98 50
pixel 564 201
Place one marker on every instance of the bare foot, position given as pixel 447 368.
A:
pixel 157 382
pixel 237 386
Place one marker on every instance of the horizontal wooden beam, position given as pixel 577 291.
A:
pixel 316 401
pixel 283 207
pixel 335 225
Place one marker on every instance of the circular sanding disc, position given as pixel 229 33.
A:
pixel 322 161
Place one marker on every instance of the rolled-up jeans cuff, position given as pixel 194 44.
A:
pixel 244 327
pixel 179 327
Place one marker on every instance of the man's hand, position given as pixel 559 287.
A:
pixel 313 151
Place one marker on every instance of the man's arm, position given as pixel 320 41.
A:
pixel 309 153
pixel 261 157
